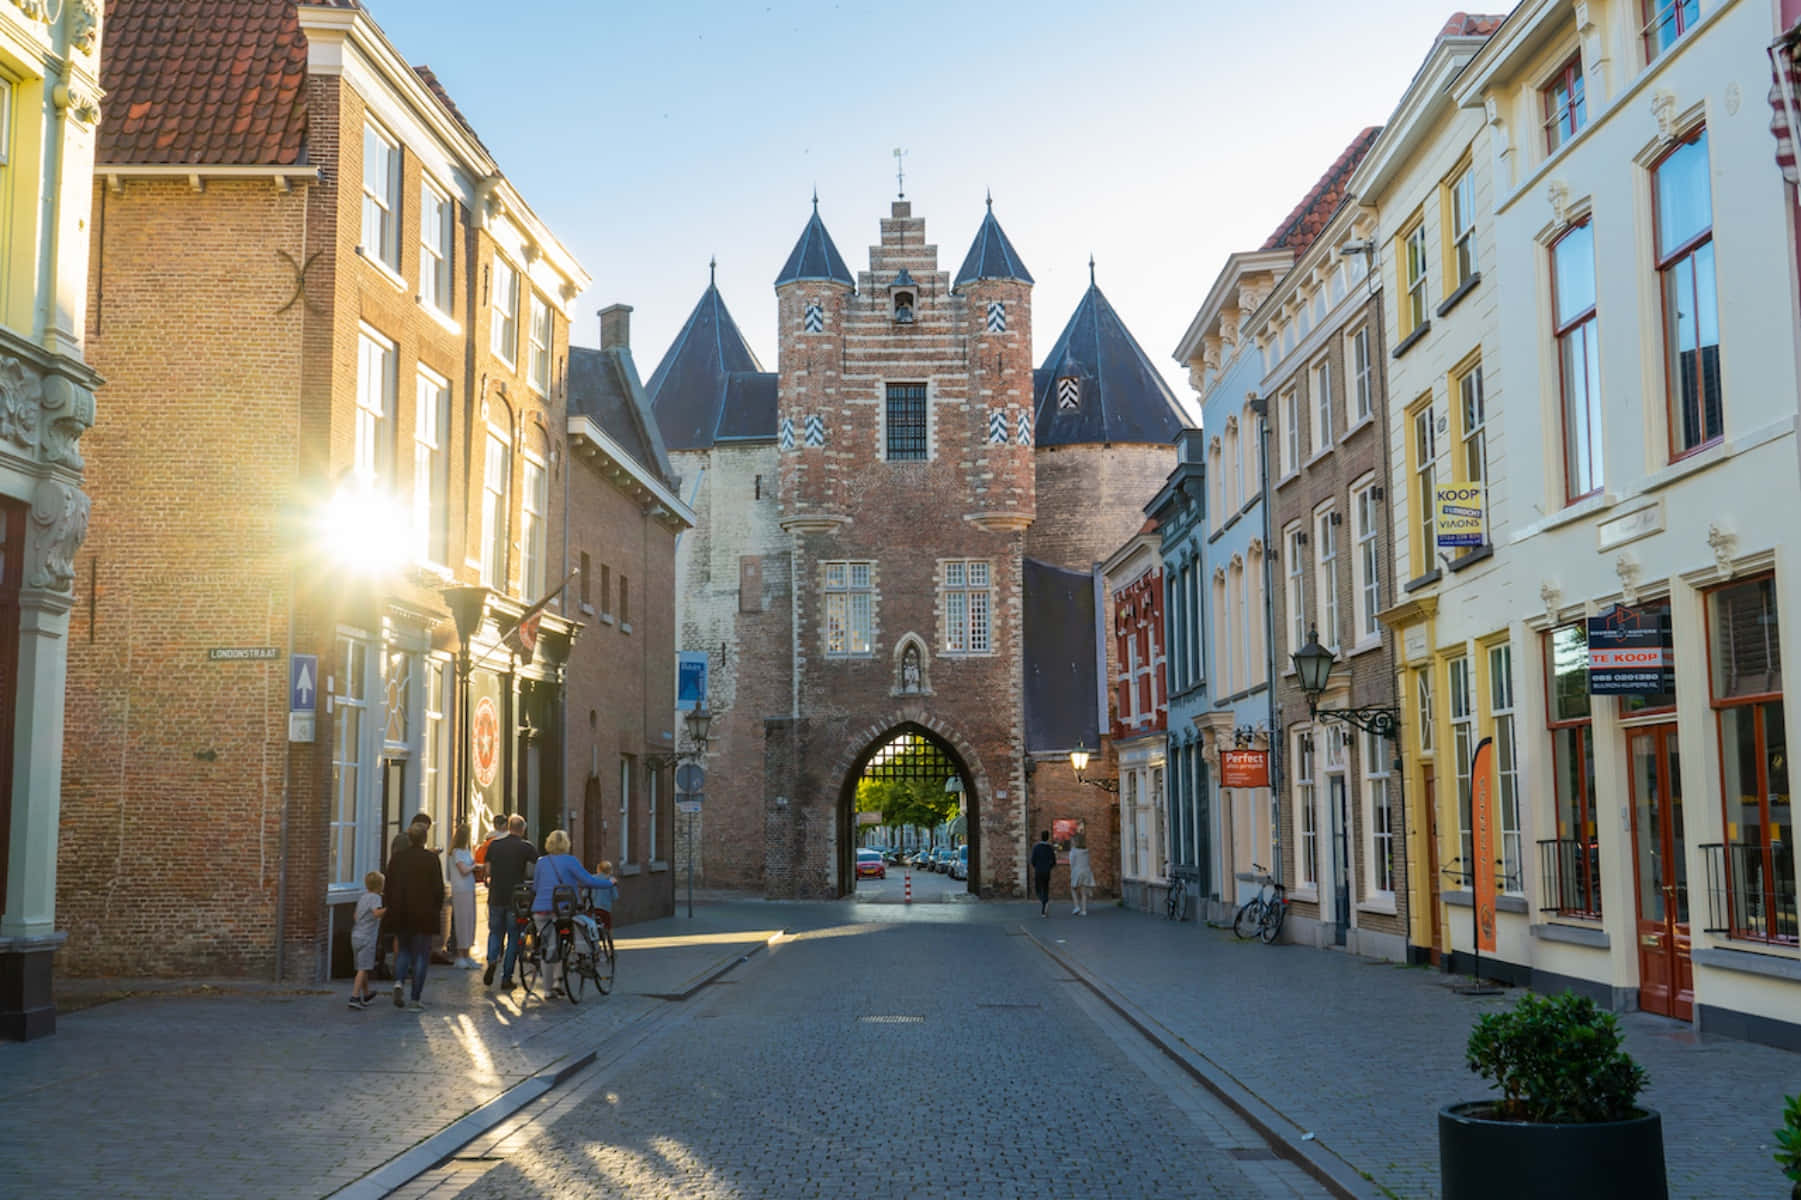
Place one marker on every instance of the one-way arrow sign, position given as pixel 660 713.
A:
pixel 303 683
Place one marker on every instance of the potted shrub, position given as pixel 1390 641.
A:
pixel 1788 1145
pixel 1565 1123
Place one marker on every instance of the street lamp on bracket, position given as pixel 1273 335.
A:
pixel 1078 761
pixel 1313 666
pixel 699 724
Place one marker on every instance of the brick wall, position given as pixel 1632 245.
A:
pixel 621 689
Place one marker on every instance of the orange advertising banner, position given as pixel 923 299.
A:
pixel 1244 768
pixel 1482 838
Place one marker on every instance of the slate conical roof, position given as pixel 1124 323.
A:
pixel 991 255
pixel 710 386
pixel 1121 397
pixel 814 256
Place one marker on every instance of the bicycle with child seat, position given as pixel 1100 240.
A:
pixel 582 945
pixel 1262 915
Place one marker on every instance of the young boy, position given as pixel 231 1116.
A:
pixel 602 898
pixel 364 934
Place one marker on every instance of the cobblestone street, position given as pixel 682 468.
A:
pixel 908 1058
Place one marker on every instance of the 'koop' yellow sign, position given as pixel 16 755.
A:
pixel 1458 509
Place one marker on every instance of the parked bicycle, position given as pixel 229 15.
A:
pixel 1262 915
pixel 1175 901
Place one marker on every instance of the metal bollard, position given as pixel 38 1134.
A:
pixel 908 897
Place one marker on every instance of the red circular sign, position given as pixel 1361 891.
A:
pixel 485 741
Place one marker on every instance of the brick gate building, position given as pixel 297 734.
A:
pixel 898 530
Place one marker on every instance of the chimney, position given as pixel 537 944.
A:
pixel 616 327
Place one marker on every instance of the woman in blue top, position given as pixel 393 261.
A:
pixel 556 868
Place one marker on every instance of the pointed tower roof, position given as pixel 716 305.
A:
pixel 710 386
pixel 1118 395
pixel 991 255
pixel 814 256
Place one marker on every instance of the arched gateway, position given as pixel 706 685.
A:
pixel 912 754
pixel 812 767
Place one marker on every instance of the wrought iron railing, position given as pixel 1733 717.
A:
pixel 1745 898
pixel 1570 871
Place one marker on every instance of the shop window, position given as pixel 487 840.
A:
pixel 1571 862
pixel 1463 748
pixel 1745 654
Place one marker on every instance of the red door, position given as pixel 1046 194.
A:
pixel 1666 977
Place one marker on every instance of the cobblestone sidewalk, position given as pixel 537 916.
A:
pixel 1362 1053
pixel 279 1094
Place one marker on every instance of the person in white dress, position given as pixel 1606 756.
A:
pixel 462 896
pixel 1081 874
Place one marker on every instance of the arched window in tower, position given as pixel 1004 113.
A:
pixel 904 293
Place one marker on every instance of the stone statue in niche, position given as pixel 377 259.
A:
pixel 910 669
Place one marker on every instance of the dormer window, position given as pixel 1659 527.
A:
pixel 1069 386
pixel 903 297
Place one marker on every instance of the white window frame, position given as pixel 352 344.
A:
pixel 1325 575
pixel 1366 562
pixel 626 765
pixel 1295 601
pixel 1250 445
pixel 1222 631
pixel 1423 702
pixel 497 473
pixel 849 609
pixel 431 466
pixel 434 739
pixel 1362 369
pixel 1235 637
pixel 650 814
pixel 1414 297
pixel 381 196
pixel 1229 466
pixel 503 324
pixel 1425 481
pixel 1291 432
pixel 537 363
pixel 1216 471
pixel 1306 820
pixel 1507 768
pixel 1378 835
pixel 352 838
pixel 376 383
pixel 966 590
pixel 1322 406
pixel 437 247
pixel 534 527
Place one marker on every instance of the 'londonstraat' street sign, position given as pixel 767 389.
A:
pixel 242 654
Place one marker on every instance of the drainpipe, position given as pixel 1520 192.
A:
pixel 1260 406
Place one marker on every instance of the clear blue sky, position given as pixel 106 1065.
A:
pixel 1158 136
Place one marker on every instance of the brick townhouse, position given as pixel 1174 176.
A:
pixel 335 339
pixel 625 515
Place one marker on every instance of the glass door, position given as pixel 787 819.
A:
pixel 1660 868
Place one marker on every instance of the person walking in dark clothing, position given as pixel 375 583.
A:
pixel 415 897
pixel 1044 861
pixel 507 860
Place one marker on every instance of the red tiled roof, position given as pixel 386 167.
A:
pixel 1300 227
pixel 1464 24
pixel 204 82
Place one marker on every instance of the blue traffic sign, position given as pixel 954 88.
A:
pixel 303 682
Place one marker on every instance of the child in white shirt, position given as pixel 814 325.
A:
pixel 363 935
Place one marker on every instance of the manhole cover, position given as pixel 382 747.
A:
pixel 891 1019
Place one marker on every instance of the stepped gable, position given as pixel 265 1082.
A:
pixel 814 256
pixel 216 82
pixel 604 386
pixel 1060 685
pixel 710 386
pixel 991 255
pixel 1121 397
pixel 1303 224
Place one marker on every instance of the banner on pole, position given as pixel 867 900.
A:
pixel 1482 839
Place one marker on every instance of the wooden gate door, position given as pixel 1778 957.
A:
pixel 1660 869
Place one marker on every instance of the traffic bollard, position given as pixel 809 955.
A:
pixel 908 898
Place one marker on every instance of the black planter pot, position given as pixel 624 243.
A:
pixel 1484 1159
